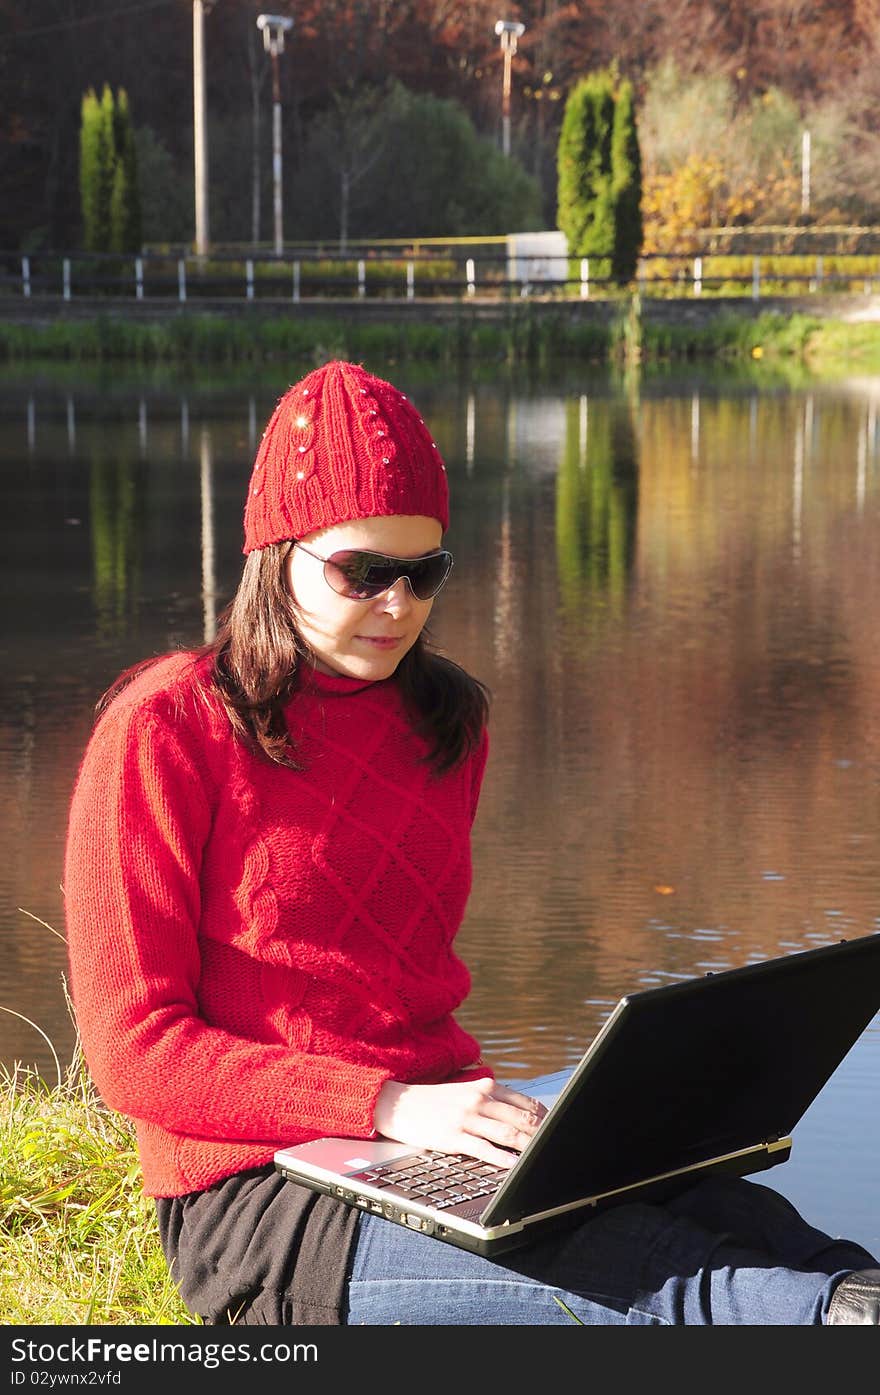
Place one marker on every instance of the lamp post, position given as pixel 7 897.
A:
pixel 274 28
pixel 508 31
pixel 200 124
pixel 805 174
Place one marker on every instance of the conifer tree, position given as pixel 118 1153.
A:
pixel 93 159
pixel 118 208
pixel 585 196
pixel 109 187
pixel 107 166
pixel 626 180
pixel 125 206
pixel 600 174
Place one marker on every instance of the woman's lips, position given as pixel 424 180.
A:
pixel 381 641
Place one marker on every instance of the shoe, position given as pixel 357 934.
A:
pixel 856 1300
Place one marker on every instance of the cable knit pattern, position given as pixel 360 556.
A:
pixel 254 950
pixel 342 444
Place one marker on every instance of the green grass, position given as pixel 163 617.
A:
pixel 850 348
pixel 79 1242
pixel 201 338
pixel 526 335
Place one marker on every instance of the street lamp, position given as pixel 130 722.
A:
pixel 200 123
pixel 274 28
pixel 805 174
pixel 508 31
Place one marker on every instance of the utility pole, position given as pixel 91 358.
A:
pixel 508 31
pixel 274 28
pixel 200 124
pixel 805 174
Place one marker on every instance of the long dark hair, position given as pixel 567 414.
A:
pixel 258 652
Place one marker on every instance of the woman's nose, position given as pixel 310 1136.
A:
pixel 398 596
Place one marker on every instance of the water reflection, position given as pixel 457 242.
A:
pixel 117 497
pixel 209 574
pixel 670 585
pixel 682 735
pixel 596 505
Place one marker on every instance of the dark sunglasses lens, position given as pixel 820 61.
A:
pixel 349 574
pixel 427 574
pixel 362 575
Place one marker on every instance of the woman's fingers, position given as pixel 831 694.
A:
pixel 507 1117
pixel 479 1117
pixel 532 1110
pixel 518 1110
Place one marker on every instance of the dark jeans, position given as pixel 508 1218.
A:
pixel 726 1252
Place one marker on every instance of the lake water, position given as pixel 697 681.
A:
pixel 671 586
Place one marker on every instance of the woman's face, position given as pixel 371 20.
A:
pixel 361 639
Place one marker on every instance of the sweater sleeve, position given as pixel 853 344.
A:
pixel 140 816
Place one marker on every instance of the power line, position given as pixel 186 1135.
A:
pixel 106 15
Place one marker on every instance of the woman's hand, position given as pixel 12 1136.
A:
pixel 478 1117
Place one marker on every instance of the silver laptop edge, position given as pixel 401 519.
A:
pixel 432 1222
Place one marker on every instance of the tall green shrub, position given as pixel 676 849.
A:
pixel 626 183
pixel 109 190
pixel 585 196
pixel 96 170
pixel 125 203
pixel 600 174
pixel 118 207
pixel 108 162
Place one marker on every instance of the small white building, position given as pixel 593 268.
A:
pixel 533 257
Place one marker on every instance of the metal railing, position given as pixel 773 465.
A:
pixel 452 273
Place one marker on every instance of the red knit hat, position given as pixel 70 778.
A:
pixel 341 444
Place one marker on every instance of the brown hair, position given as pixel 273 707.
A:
pixel 258 651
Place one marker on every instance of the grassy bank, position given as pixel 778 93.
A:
pixel 79 1242
pixel 855 347
pixel 526 335
pixel 203 338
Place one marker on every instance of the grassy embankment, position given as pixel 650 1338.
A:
pixel 79 1242
pixel 526 335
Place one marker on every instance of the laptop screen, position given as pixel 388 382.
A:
pixel 694 1070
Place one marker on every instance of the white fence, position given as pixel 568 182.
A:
pixel 530 265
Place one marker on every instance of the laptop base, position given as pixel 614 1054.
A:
pixel 495 1240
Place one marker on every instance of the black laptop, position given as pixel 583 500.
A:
pixel 709 1075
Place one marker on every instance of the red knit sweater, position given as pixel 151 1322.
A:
pixel 254 950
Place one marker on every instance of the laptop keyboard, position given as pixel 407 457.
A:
pixel 436 1179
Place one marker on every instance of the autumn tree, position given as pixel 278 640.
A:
pixel 715 158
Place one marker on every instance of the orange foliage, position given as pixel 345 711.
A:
pixel 699 195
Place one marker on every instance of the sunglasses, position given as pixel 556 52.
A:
pixel 360 576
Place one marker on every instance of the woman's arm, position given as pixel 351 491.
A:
pixel 140 817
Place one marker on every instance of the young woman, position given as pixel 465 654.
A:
pixel 268 859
